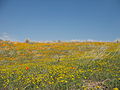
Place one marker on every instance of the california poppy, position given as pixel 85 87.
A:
pixel 27 68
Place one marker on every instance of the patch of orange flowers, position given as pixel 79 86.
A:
pixel 72 68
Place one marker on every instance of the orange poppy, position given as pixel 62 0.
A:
pixel 27 68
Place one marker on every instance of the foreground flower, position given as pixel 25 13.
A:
pixel 27 68
pixel 115 89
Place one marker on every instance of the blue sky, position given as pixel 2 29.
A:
pixel 42 20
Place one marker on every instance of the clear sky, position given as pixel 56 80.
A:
pixel 60 19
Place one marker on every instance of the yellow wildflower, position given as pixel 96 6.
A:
pixel 115 89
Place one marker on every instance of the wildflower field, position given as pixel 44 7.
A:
pixel 59 66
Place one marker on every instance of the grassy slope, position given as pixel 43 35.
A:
pixel 59 66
